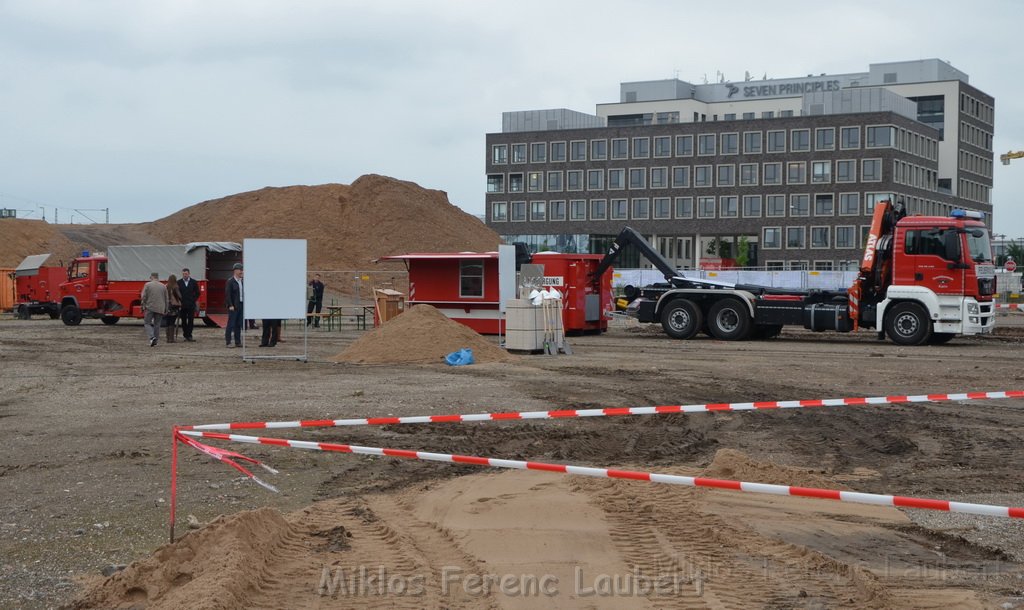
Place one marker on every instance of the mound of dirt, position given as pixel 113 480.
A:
pixel 348 226
pixel 420 334
pixel 736 465
pixel 218 566
pixel 22 237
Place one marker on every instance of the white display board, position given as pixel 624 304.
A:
pixel 275 278
pixel 506 275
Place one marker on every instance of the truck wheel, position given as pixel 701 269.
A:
pixel 110 320
pixel 24 313
pixel 71 315
pixel 729 320
pixel 941 338
pixel 681 319
pixel 908 324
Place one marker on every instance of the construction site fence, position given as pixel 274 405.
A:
pixel 356 286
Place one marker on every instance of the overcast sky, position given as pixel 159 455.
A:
pixel 150 107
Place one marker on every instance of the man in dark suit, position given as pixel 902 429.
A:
pixel 234 298
pixel 189 297
pixel 316 301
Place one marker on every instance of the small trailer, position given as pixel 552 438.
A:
pixel 37 287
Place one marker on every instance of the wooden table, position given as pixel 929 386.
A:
pixel 334 313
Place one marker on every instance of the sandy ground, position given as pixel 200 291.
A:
pixel 84 476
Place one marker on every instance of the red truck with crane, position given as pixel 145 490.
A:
pixel 922 279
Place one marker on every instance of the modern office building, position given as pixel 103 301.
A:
pixel 778 173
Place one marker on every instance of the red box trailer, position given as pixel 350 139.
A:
pixel 464 287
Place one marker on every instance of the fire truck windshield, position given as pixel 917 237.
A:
pixel 979 245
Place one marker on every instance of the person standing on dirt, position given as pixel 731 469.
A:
pixel 316 301
pixel 189 298
pixel 173 307
pixel 234 296
pixel 154 306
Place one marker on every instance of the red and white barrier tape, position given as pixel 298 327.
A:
pixel 1009 306
pixel 568 413
pixel 762 488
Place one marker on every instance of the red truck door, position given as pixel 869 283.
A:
pixel 932 257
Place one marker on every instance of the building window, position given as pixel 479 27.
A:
pixel 726 175
pixel 748 174
pixel 729 206
pixel 684 207
pixel 702 175
pixel 556 210
pixel 538 210
pixel 800 140
pixel 880 136
pixel 637 177
pixel 785 114
pixel 535 182
pixel 706 144
pixel 845 236
pixel 730 143
pixel 662 208
pixel 684 146
pixel 496 183
pixel 772 173
pixel 846 170
pixel 820 237
pixel 518 211
pixel 554 181
pixel 574 180
pixel 752 142
pixel 620 209
pixel 641 148
pixel 595 179
pixel 771 238
pixel 539 152
pixel 799 205
pixel 616 179
pixel 705 207
pixel 751 206
pixel 729 116
pixel 641 208
pixel 823 265
pixel 871 170
pixel 499 154
pixel 849 137
pixel 598 209
pixel 748 116
pixel 776 141
pixel 825 138
pixel 768 114
pixel 663 146
pixel 578 209
pixel 821 171
pixel 620 148
pixel 598 150
pixel 519 153
pixel 499 211
pixel 558 151
pixel 824 205
pixel 578 150
pixel 471 278
pixel 775 205
pixel 680 177
pixel 659 177
pixel 849 204
pixel 796 238
pixel 796 172
pixel 870 199
pixel 515 183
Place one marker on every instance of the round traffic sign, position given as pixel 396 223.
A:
pixel 1010 266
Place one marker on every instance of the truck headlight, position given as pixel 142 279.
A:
pixel 972 308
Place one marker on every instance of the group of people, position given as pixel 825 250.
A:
pixel 164 304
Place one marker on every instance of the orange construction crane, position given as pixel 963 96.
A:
pixel 1013 154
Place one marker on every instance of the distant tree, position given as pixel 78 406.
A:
pixel 1016 251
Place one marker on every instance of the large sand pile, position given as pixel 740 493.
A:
pixel 20 238
pixel 421 334
pixel 347 226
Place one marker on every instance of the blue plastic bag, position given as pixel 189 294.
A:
pixel 460 358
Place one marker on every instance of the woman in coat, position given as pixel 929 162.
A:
pixel 174 306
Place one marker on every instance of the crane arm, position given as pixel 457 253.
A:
pixel 1013 154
